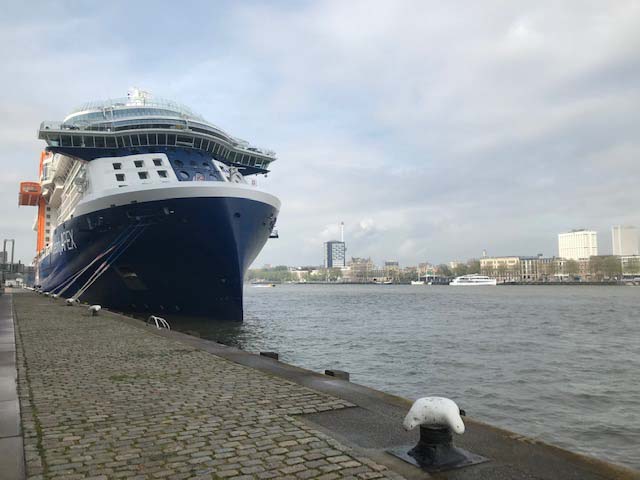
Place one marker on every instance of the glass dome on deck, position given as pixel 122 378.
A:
pixel 137 104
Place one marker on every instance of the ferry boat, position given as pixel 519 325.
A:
pixel 473 280
pixel 145 206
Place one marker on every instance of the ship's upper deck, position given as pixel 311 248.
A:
pixel 140 120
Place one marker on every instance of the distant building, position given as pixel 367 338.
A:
pixel 504 269
pixel 578 244
pixel 625 240
pixel 335 254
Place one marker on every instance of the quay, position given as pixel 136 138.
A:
pixel 101 397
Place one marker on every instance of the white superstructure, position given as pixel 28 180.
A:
pixel 578 244
pixel 473 281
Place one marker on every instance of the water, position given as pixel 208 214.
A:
pixel 561 364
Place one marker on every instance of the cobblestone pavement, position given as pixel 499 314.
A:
pixel 102 399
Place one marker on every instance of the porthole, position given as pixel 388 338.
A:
pixel 178 163
pixel 183 175
pixel 206 165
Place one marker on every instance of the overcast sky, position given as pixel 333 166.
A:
pixel 432 130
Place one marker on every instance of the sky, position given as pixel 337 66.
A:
pixel 433 130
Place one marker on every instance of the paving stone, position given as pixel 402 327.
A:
pixel 103 399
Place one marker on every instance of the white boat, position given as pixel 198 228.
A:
pixel 417 282
pixel 473 280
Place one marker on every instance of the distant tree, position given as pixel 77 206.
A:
pixel 571 267
pixel 473 266
pixel 444 270
pixel 633 266
pixel 596 267
pixel 334 274
pixel 461 269
pixel 612 267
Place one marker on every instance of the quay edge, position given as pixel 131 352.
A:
pixel 371 422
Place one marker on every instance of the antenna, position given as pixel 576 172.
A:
pixel 342 232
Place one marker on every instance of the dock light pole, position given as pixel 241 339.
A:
pixel 4 253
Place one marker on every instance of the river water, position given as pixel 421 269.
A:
pixel 558 363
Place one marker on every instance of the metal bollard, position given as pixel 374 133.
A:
pixel 438 418
pixel 341 374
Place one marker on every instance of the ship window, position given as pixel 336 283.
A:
pixel 162 173
pixel 88 142
pixel 157 162
pixel 171 139
pixel 205 144
pixel 143 175
pixel 66 140
pixel 178 163
pixel 206 165
pixel 120 177
pixel 127 141
pixel 135 141
pixel 138 163
pixel 117 166
pixel 152 139
pixel 99 142
pixel 143 139
pixel 197 143
pixel 77 141
pixel 111 142
pixel 162 139
pixel 183 175
pixel 216 148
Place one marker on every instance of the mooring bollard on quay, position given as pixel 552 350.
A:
pixel 438 418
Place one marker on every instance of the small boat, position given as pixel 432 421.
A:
pixel 263 285
pixel 417 282
pixel 473 280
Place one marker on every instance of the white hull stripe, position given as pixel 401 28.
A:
pixel 124 196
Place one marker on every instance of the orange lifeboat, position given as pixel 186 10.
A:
pixel 29 194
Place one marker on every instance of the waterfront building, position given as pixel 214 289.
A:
pixel 360 269
pixel 578 244
pixel 625 240
pixel 630 265
pixel 503 269
pixel 335 254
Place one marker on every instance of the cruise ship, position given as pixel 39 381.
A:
pixel 473 280
pixel 145 206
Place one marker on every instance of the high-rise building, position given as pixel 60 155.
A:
pixel 577 244
pixel 335 254
pixel 625 240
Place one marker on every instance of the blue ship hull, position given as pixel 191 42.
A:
pixel 185 256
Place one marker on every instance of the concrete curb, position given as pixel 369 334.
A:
pixel 12 465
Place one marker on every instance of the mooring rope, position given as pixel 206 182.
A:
pixel 136 232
